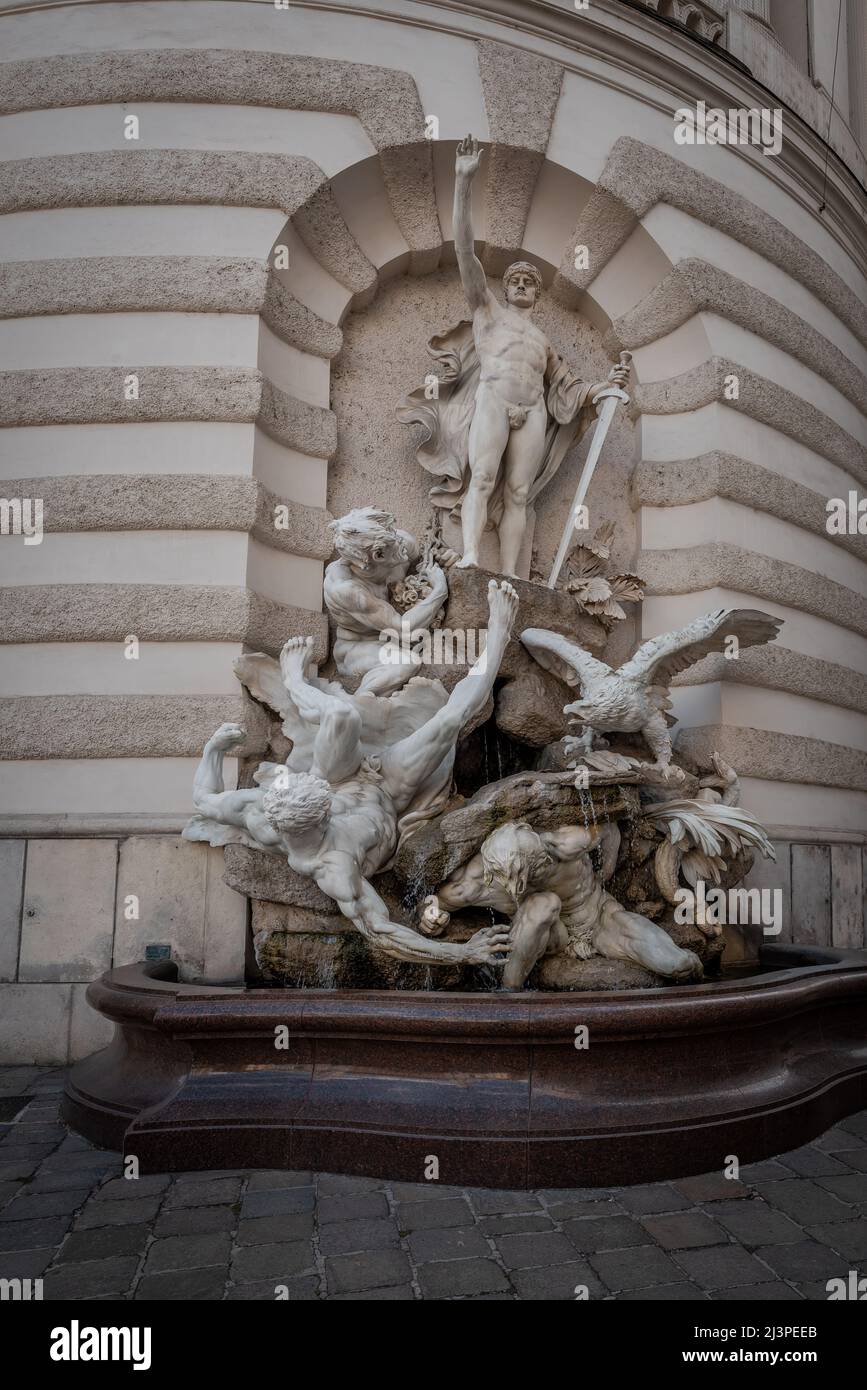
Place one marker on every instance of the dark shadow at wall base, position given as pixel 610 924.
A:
pixel 493 1087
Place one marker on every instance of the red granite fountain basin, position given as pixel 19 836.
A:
pixel 673 1081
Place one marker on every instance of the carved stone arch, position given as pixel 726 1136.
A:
pixel 398 309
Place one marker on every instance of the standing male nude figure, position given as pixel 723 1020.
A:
pixel 511 419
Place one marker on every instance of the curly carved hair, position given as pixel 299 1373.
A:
pixel 516 844
pixel 297 803
pixel 363 535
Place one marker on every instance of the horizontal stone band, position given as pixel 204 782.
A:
pixel 778 757
pixel 678 482
pixel 155 613
pixel 172 284
pixel 124 726
pixel 176 502
pixel 696 568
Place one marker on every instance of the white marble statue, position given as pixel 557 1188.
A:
pixel 635 697
pixel 338 822
pixel 558 904
pixel 374 557
pixel 508 407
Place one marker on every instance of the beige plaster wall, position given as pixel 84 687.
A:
pixel 264 385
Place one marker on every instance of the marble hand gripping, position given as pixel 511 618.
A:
pixel 338 822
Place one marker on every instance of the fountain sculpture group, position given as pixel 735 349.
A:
pixel 373 747
pixel 473 838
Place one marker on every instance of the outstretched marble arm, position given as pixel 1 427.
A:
pixel 359 901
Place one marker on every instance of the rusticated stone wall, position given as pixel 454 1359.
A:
pixel 280 210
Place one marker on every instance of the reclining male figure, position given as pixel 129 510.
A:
pixel 337 824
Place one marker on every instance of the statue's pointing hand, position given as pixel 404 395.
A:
pixel 468 157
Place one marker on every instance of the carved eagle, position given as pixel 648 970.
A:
pixel 634 698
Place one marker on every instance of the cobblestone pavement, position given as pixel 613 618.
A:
pixel 780 1232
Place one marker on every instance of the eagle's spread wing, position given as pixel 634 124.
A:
pixel 657 661
pixel 573 664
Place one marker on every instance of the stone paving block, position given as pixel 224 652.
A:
pixel 759 1224
pixel 833 1139
pixel 848 1238
pixel 419 1216
pixel 304 1290
pixel 710 1187
pixel 456 1278
pixel 280 1202
pixel 195 1221
pixel 855 1124
pixel 764 1172
pixel 551 1196
pixel 335 1184
pixel 34 1133
pixel 19 1170
pixel 401 1293
pixel 637 1268
pixel 123 1189
pixel 32 1235
pixel 557 1283
pixel 117 1213
pixel 266 1230
pixel 666 1293
pixel 610 1233
pixel 279 1261
pixel 43 1204
pixel 423 1191
pixel 93 1161
pixel 201 1194
pixel 104 1242
pixel 373 1270
pixel 809 1259
pixel 449 1243
pixel 751 1293
pixel 567 1211
pixel 268 1180
pixel 8 1190
pixel 25 1264
pixel 359 1206
pixel 12 1151
pixel 56 1180
pixel 91 1278
pixel 344 1237
pixel 854 1158
pixel 495 1203
pixel 811 1162
pixel 851 1187
pixel 722 1266
pixel 684 1230
pixel 533 1249
pixel 183 1286
pixel 511 1225
pixel 805 1201
pixel 188 1252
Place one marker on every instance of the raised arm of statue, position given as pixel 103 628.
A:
pixel 473 277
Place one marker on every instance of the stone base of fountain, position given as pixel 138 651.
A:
pixel 496 1087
